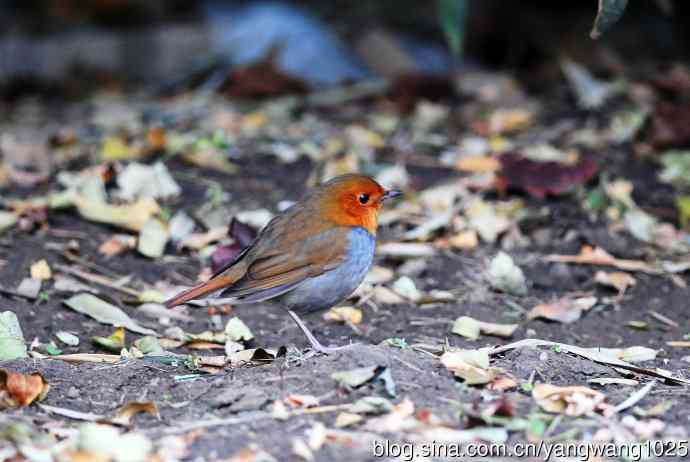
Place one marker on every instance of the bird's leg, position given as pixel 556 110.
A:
pixel 315 344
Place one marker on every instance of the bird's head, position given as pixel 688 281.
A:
pixel 353 200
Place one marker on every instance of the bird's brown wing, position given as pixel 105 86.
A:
pixel 291 248
pixel 283 267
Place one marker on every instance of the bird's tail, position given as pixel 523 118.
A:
pixel 212 285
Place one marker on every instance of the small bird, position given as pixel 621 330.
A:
pixel 309 258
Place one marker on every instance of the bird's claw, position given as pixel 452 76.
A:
pixel 319 349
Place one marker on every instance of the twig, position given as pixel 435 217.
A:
pixel 634 398
pixel 95 278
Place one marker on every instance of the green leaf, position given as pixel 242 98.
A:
pixel 451 18
pixel 609 12
pixel 683 205
pixel 12 345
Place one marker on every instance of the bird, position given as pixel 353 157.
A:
pixel 310 257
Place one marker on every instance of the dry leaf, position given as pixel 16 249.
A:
pixel 18 390
pixel 478 164
pixel 347 419
pixel 394 421
pixel 346 314
pixel 470 365
pixel 616 279
pixel 565 310
pixel 41 271
pixel 125 414
pixel 597 256
pixel 465 240
pixel 132 217
pixel 117 244
pixel 571 401
pixel 296 401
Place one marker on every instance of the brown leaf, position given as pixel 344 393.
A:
pixel 616 279
pixel 565 310
pixel 410 88
pixel 261 80
pixel 127 412
pixel 117 244
pixel 671 125
pixel 597 256
pixel 541 179
pixel 571 401
pixel 18 390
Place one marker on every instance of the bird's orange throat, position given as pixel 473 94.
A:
pixel 342 215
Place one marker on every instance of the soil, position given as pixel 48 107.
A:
pixel 244 395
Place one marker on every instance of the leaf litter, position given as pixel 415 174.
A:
pixel 436 246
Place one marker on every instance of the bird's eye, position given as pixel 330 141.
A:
pixel 363 198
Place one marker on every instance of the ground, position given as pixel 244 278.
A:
pixel 214 416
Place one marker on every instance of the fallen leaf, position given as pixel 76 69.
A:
pixel 669 127
pixel 301 401
pixel 470 365
pixel 67 338
pixel 132 217
pixel 478 164
pixel 41 271
pixel 657 410
pixel 345 314
pixel 117 244
pixel 471 328
pixel 19 390
pixel 572 401
pixel 261 79
pixel 113 343
pixel 406 288
pixel 541 179
pixel 393 421
pixel 197 241
pixel 116 148
pixel 617 279
pixel 105 313
pixel 139 181
pixel 29 288
pixel 597 256
pixel 466 240
pixel 237 331
pixel 153 238
pixel 127 412
pixel 565 309
pixel 634 354
pixel 7 220
pixel 12 344
pixel 356 378
pixel 505 276
pixel 104 442
pixel 251 454
pixel 148 344
pixel 347 419
pixel 181 226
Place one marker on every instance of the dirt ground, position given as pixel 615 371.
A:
pixel 215 416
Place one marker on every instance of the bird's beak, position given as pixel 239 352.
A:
pixel 390 194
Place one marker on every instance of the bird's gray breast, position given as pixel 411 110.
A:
pixel 332 287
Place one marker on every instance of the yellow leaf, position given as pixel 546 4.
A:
pixel 41 271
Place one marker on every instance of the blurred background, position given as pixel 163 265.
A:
pixel 65 48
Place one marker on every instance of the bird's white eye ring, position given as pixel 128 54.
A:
pixel 363 198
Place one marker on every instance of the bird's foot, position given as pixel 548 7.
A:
pixel 317 349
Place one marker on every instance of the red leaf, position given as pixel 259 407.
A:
pixel 540 179
pixel 261 80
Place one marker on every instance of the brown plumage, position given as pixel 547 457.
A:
pixel 311 238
